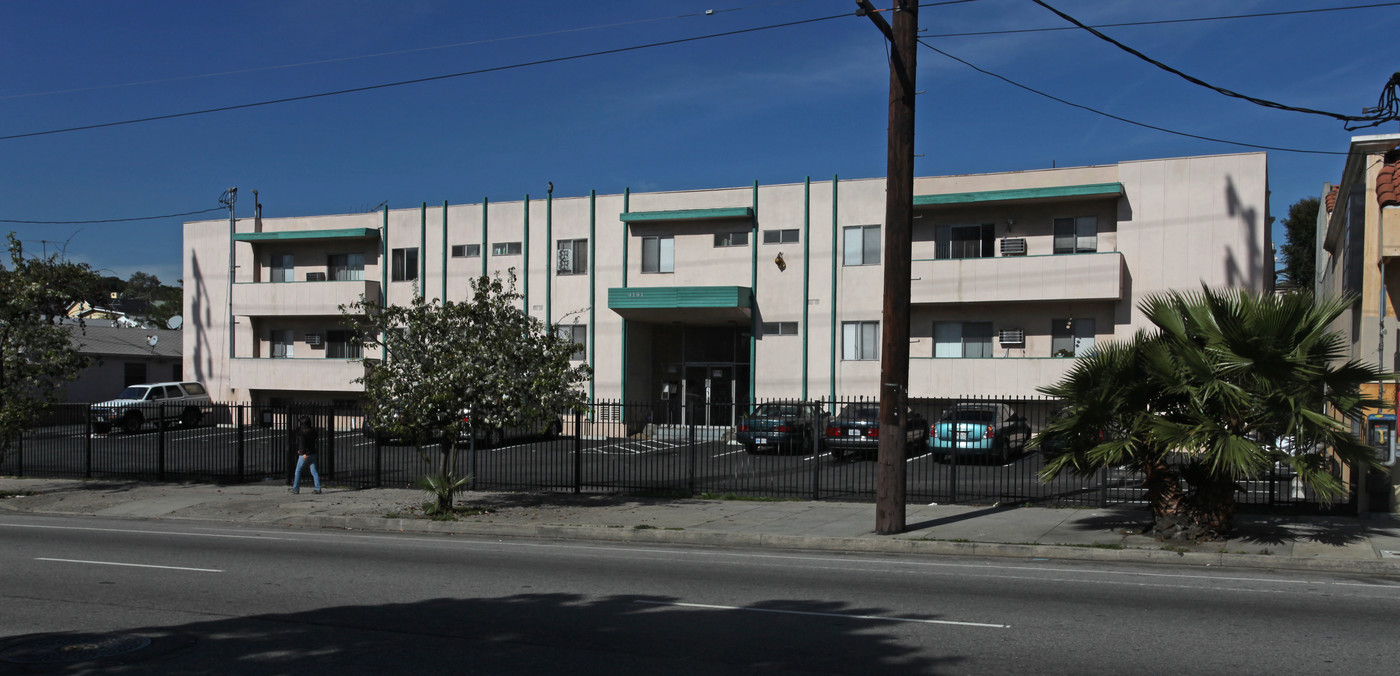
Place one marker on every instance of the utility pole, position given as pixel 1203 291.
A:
pixel 230 197
pixel 899 225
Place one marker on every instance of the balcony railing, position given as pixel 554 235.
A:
pixel 315 374
pixel 306 299
pixel 1089 276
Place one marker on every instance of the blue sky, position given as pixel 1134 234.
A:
pixel 772 105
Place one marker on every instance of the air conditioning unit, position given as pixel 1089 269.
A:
pixel 1013 246
pixel 314 340
pixel 315 276
pixel 1012 337
pixel 566 260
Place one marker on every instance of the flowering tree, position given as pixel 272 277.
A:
pixel 447 367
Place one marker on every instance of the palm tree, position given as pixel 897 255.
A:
pixel 1207 395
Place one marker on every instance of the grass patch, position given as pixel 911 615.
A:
pixel 642 526
pixel 744 498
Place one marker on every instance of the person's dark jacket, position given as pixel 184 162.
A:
pixel 306 441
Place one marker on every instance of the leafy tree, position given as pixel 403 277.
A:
pixel 1300 242
pixel 1228 386
pixel 447 367
pixel 36 356
pixel 142 286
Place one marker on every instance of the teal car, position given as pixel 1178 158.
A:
pixel 989 430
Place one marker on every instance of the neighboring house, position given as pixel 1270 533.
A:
pixel 727 295
pixel 130 312
pixel 122 356
pixel 1358 252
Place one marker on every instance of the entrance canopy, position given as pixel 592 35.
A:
pixel 695 305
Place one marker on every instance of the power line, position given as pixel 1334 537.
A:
pixel 1123 119
pixel 317 62
pixel 1159 22
pixel 433 78
pixel 111 220
pixel 1386 110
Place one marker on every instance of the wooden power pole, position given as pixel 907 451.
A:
pixel 899 225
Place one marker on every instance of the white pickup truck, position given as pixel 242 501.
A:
pixel 140 404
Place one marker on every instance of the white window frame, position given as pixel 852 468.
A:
pixel 576 260
pixel 664 254
pixel 578 335
pixel 405 264
pixel 962 340
pixel 860 341
pixel 731 239
pixel 282 268
pixel 466 250
pixel 505 249
pixel 352 271
pixel 281 343
pixel 860 245
pixel 779 328
pixel 782 236
pixel 1081 235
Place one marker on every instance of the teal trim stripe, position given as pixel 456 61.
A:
pixel 672 297
pixel 343 233
pixel 686 215
pixel 1091 190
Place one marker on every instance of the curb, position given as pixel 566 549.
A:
pixel 885 545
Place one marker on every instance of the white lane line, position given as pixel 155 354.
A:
pixel 130 565
pixel 881 618
pixel 721 455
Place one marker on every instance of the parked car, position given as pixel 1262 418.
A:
pixel 987 430
pixel 781 425
pixel 140 404
pixel 856 431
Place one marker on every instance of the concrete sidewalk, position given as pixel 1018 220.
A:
pixel 1335 544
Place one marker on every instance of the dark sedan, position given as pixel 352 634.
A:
pixel 780 426
pixel 856 431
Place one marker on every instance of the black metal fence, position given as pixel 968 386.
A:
pixel 959 451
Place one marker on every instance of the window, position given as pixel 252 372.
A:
pixel 572 255
pixel 779 328
pixel 964 241
pixel 659 254
pixel 1071 337
pixel 177 371
pixel 339 345
pixel 964 340
pixel 194 389
pixel 860 340
pixel 282 268
pixel 281 344
pixel 740 238
pixel 862 245
pixel 405 265
pixel 1077 235
pixel 466 250
pixel 134 373
pixel 578 335
pixel 505 249
pixel 780 236
pixel 346 267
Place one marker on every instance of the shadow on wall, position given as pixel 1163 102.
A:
pixel 199 307
pixel 536 633
pixel 1249 216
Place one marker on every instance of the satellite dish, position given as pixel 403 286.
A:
pixel 152 340
pixel 174 322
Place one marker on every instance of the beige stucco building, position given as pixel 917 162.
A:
pixel 725 295
pixel 1358 252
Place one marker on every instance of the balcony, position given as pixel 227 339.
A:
pixel 299 299
pixel 312 374
pixel 995 377
pixel 1087 276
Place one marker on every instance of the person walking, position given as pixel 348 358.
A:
pixel 304 444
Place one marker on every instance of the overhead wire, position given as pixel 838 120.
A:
pixel 1387 109
pixel 1120 118
pixel 1160 22
pixel 111 220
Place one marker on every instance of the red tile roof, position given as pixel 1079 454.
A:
pixel 1388 185
pixel 1332 198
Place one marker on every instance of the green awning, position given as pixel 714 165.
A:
pixel 1057 193
pixel 686 215
pixel 307 235
pixel 686 304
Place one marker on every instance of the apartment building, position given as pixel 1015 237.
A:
pixel 716 296
pixel 1358 253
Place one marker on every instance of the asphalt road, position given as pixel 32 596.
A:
pixel 221 599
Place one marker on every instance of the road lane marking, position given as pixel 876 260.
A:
pixel 130 565
pixel 145 532
pixel 882 618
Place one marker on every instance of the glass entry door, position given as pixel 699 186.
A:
pixel 709 394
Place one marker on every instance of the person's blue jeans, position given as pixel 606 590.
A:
pixel 303 461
